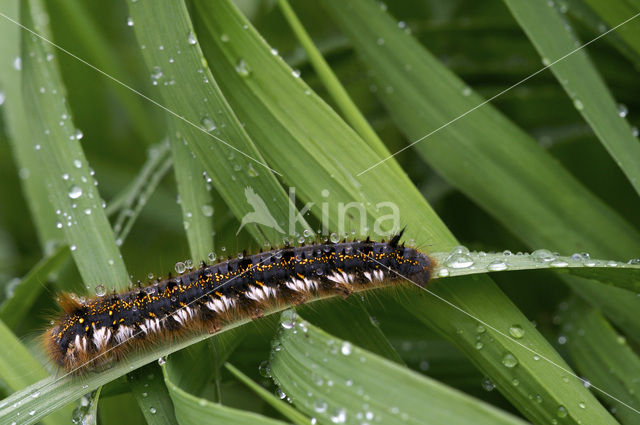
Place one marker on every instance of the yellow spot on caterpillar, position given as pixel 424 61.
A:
pixel 81 320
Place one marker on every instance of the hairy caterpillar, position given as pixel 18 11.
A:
pixel 99 330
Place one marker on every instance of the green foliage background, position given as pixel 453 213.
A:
pixel 164 100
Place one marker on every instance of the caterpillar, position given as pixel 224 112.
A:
pixel 99 330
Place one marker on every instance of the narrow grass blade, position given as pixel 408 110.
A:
pixel 70 185
pixel 204 119
pixel 195 410
pixel 554 39
pixel 195 199
pixel 616 11
pixel 604 358
pixel 349 384
pixel 150 391
pixel 25 293
pixel 285 409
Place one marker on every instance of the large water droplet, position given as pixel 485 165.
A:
pixel 75 192
pixel 242 68
pixel 191 38
pixel 208 123
pixel 561 412
pixel 509 360
pixel 497 266
pixel 516 331
pixel 180 267
pixel 100 290
pixel 288 319
pixel 339 416
pixel 207 210
pixel 622 110
pixel 543 255
pixel 265 369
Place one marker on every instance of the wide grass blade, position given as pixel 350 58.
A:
pixel 195 410
pixel 298 129
pixel 335 381
pixel 203 118
pixel 148 388
pixel 70 185
pixel 553 37
pixel 604 358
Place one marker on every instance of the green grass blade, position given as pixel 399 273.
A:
pixel 616 11
pixel 305 139
pixel 363 385
pixel 604 358
pixel 185 85
pixel 351 112
pixel 70 184
pixel 17 127
pixel 195 200
pixel 285 409
pixel 298 129
pixel 148 388
pixel 551 36
pixel 18 369
pixel 195 410
pixel 521 185
pixel 13 309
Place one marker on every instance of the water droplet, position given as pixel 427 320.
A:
pixel 17 63
pixel 77 163
pixel 543 255
pixel 288 319
pixel 320 406
pixel 162 360
pixel 100 290
pixel 129 21
pixel 212 256
pixel 224 38
pixel 295 73
pixel 180 267
pixel 443 272
pixel 78 134
pixel 634 131
pixel 488 385
pixel 561 412
pixel 75 192
pixel 479 345
pixel 346 348
pixel 459 260
pixel 622 110
pixel 242 68
pixel 191 38
pixel 339 416
pixel 333 237
pixel 380 41
pixel 509 360
pixel 516 331
pixel 152 410
pixel 578 104
pixel 207 210
pixel 2 98
pixel 156 74
pixel 265 369
pixel 480 329
pixel 497 266
pixel 559 263
pixel 208 123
